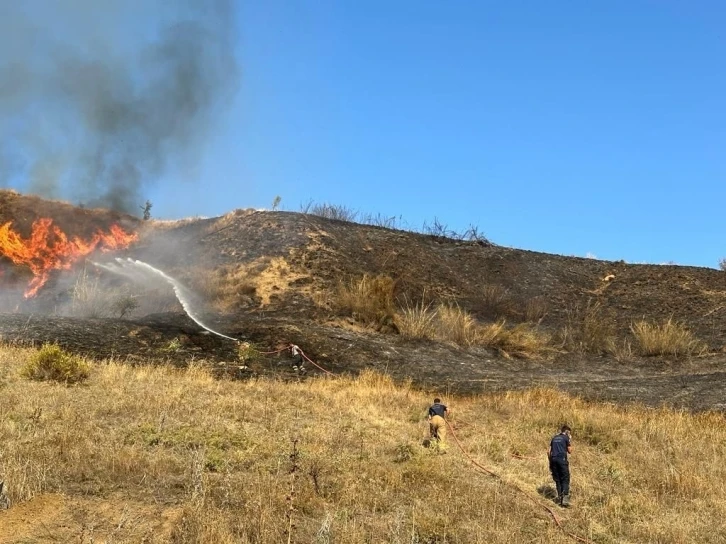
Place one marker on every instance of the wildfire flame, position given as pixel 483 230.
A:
pixel 49 248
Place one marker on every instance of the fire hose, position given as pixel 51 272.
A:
pixel 577 538
pixel 294 349
pixel 490 472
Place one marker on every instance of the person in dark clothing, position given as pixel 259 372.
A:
pixel 437 421
pixel 560 446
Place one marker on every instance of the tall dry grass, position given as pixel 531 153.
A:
pixel 590 328
pixel 225 288
pixel 669 338
pixel 341 460
pixel 369 299
pixel 91 297
pixel 495 300
pixel 521 340
pixel 448 322
pixel 456 325
pixel 535 310
pixel 417 320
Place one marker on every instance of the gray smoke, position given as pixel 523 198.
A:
pixel 99 99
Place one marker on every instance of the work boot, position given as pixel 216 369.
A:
pixel 565 500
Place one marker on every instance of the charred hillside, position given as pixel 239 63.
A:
pixel 291 260
pixel 346 293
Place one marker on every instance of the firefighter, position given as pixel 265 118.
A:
pixel 560 446
pixel 437 421
pixel 298 361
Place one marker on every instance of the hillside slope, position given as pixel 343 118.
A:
pixel 274 278
pixel 155 454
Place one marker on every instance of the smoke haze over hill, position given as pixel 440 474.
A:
pixel 100 100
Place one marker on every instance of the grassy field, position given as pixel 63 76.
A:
pixel 152 454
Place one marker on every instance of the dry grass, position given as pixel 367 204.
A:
pixel 453 324
pixel 589 329
pixel 495 300
pixel 231 287
pixel 88 298
pixel 522 340
pixel 449 323
pixel 91 297
pixel 173 223
pixel 669 338
pixel 218 457
pixel 369 299
pixel 225 288
pixel 417 321
pixel 535 310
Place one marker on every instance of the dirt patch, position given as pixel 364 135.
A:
pixel 266 278
pixel 59 518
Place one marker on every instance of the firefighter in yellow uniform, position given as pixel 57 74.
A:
pixel 437 422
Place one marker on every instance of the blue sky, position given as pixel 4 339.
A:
pixel 564 127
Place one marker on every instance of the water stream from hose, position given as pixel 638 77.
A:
pixel 139 271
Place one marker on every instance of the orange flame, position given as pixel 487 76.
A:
pixel 49 248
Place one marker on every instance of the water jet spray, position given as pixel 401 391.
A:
pixel 138 270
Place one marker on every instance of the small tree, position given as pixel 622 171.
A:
pixel 722 264
pixel 147 210
pixel 124 304
pixel 276 202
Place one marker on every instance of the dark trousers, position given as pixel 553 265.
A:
pixel 560 468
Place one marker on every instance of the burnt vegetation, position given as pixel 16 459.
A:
pixel 126 406
pixel 422 305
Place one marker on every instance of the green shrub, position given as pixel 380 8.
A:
pixel 52 363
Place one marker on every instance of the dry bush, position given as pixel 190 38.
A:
pixel 448 322
pixel 495 300
pixel 225 288
pixel 589 329
pixel 369 299
pixel 124 304
pixel 180 440
pixel 54 364
pixel 535 310
pixel 417 321
pixel 247 353
pixel 338 212
pixel 669 338
pixel 89 299
pixel 722 264
pixel 455 325
pixel 522 340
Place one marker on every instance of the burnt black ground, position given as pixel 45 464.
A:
pixel 319 253
pixel 696 384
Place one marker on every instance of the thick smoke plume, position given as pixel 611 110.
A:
pixel 100 99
